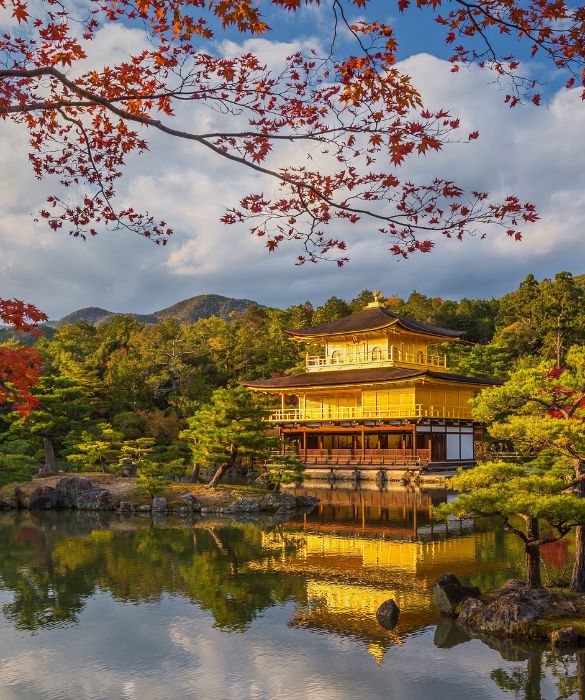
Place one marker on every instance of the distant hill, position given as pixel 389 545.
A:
pixel 188 310
pixel 204 306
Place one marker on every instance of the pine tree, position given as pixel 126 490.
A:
pixel 229 428
pixel 64 408
pixel 541 409
pixel 285 469
pixel 520 493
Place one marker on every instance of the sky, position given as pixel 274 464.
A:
pixel 536 153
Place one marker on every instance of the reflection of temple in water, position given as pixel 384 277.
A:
pixel 393 512
pixel 360 547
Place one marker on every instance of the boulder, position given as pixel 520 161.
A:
pixel 43 498
pixel 144 508
pixel 564 636
pixel 126 507
pixel 388 614
pixel 450 592
pixel 159 504
pixel 8 504
pixel 469 609
pixel 262 482
pixel 70 488
pixel 97 498
pixel 277 501
pixel 191 502
pixel 307 501
pixel 181 510
pixel 243 505
pixel 515 608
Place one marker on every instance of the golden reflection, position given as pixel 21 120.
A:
pixel 349 577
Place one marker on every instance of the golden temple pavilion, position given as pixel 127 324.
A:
pixel 378 395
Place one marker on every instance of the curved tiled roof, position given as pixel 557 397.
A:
pixel 373 318
pixel 362 376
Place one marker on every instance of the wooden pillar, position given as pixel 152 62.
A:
pixel 305 442
pixel 282 402
pixel 353 445
pixel 363 442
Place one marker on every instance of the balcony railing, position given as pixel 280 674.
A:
pixel 376 412
pixel 374 359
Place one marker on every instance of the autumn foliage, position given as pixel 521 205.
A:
pixel 19 364
pixel 355 116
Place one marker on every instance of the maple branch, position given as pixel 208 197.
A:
pixel 203 140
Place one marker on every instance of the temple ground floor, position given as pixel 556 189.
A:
pixel 376 444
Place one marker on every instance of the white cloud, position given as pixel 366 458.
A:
pixel 534 152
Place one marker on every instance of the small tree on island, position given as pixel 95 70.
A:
pixel 151 478
pixel 285 469
pixel 542 410
pixel 524 497
pixel 230 427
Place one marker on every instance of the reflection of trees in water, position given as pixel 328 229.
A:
pixel 51 570
pixel 565 668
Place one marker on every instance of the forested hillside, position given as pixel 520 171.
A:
pixel 122 385
pixel 188 310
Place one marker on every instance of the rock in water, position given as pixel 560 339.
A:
pixel 159 504
pixel 469 609
pixel 191 502
pixel 70 488
pixel 278 501
pixel 514 609
pixel 388 614
pixel 564 636
pixel 96 498
pixel 450 592
pixel 307 501
pixel 243 505
pixel 43 498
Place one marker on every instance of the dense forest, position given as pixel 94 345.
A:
pixel 118 389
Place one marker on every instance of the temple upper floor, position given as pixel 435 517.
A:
pixel 375 337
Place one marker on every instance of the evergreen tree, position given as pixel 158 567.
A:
pixel 64 408
pixel 541 409
pixel 285 469
pixel 229 428
pixel 332 310
pixel 519 492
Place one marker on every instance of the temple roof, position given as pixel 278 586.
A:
pixel 372 375
pixel 370 319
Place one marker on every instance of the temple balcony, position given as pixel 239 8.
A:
pixel 380 358
pixel 364 413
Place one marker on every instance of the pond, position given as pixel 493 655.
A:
pixel 105 606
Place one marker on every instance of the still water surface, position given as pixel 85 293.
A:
pixel 102 606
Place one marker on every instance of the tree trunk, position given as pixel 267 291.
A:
pixel 49 466
pixel 578 577
pixel 195 471
pixel 533 578
pixel 218 476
